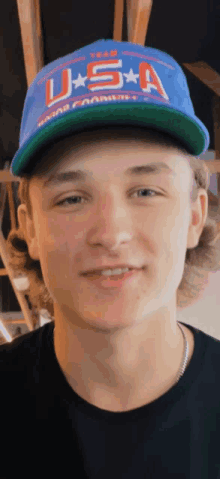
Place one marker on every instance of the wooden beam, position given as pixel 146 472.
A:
pixel 6 176
pixel 31 35
pixel 15 321
pixel 205 74
pixel 138 16
pixel 3 272
pixel 118 20
pixel 213 166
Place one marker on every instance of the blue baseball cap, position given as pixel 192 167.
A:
pixel 107 83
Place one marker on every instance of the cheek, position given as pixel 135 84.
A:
pixel 57 262
pixel 58 244
pixel 57 233
pixel 170 237
pixel 176 245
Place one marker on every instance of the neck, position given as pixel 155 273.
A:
pixel 127 366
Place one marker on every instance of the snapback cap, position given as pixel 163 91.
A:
pixel 107 83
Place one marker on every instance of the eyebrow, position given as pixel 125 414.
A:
pixel 134 171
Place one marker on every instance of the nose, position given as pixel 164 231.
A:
pixel 113 226
pixel 110 242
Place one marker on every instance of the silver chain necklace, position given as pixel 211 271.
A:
pixel 185 357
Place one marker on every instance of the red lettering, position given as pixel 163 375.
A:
pixel 145 72
pixel 115 79
pixel 66 88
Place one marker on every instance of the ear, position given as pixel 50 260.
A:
pixel 26 224
pixel 199 213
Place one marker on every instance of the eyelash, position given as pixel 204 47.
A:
pixel 79 196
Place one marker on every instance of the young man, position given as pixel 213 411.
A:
pixel 116 338
pixel 115 387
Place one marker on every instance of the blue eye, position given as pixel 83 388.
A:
pixel 78 196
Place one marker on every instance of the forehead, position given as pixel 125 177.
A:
pixel 111 143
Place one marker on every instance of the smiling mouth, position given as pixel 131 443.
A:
pixel 116 281
pixel 98 274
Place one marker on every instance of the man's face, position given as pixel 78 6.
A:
pixel 111 217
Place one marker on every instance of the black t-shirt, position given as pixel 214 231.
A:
pixel 48 431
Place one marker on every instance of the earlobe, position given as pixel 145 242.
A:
pixel 27 227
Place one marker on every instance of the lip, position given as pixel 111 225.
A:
pixel 101 268
pixel 120 281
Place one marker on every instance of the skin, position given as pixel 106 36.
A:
pixel 118 349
